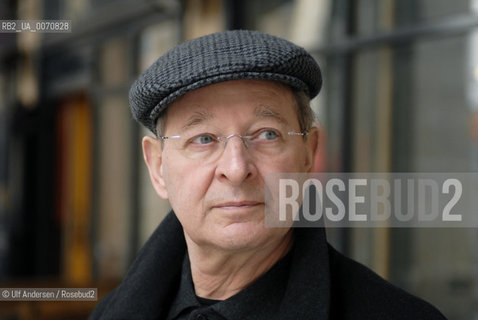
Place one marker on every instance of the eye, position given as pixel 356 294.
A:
pixel 203 139
pixel 268 134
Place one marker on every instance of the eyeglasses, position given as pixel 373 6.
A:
pixel 208 147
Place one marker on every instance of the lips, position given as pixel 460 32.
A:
pixel 237 204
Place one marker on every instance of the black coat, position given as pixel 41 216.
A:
pixel 323 284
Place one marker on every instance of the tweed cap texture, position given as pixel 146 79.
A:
pixel 218 57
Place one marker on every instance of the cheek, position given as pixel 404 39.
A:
pixel 186 184
pixel 291 161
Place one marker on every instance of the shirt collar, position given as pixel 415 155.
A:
pixel 261 299
pixel 185 296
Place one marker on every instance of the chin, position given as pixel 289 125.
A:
pixel 244 236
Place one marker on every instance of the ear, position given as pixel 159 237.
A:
pixel 152 153
pixel 312 149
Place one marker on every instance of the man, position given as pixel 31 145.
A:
pixel 227 109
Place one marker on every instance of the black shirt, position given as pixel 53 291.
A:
pixel 260 300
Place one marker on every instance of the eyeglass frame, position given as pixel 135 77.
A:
pixel 225 139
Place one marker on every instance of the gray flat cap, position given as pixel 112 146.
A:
pixel 217 57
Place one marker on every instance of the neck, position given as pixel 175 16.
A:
pixel 219 274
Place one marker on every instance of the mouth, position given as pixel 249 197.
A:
pixel 237 205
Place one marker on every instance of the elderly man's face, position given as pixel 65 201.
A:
pixel 217 192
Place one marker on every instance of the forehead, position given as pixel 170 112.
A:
pixel 242 98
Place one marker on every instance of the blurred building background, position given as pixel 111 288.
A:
pixel 400 94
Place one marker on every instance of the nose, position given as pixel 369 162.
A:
pixel 226 139
pixel 235 164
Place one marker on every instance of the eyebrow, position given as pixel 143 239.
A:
pixel 266 112
pixel 261 111
pixel 197 118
